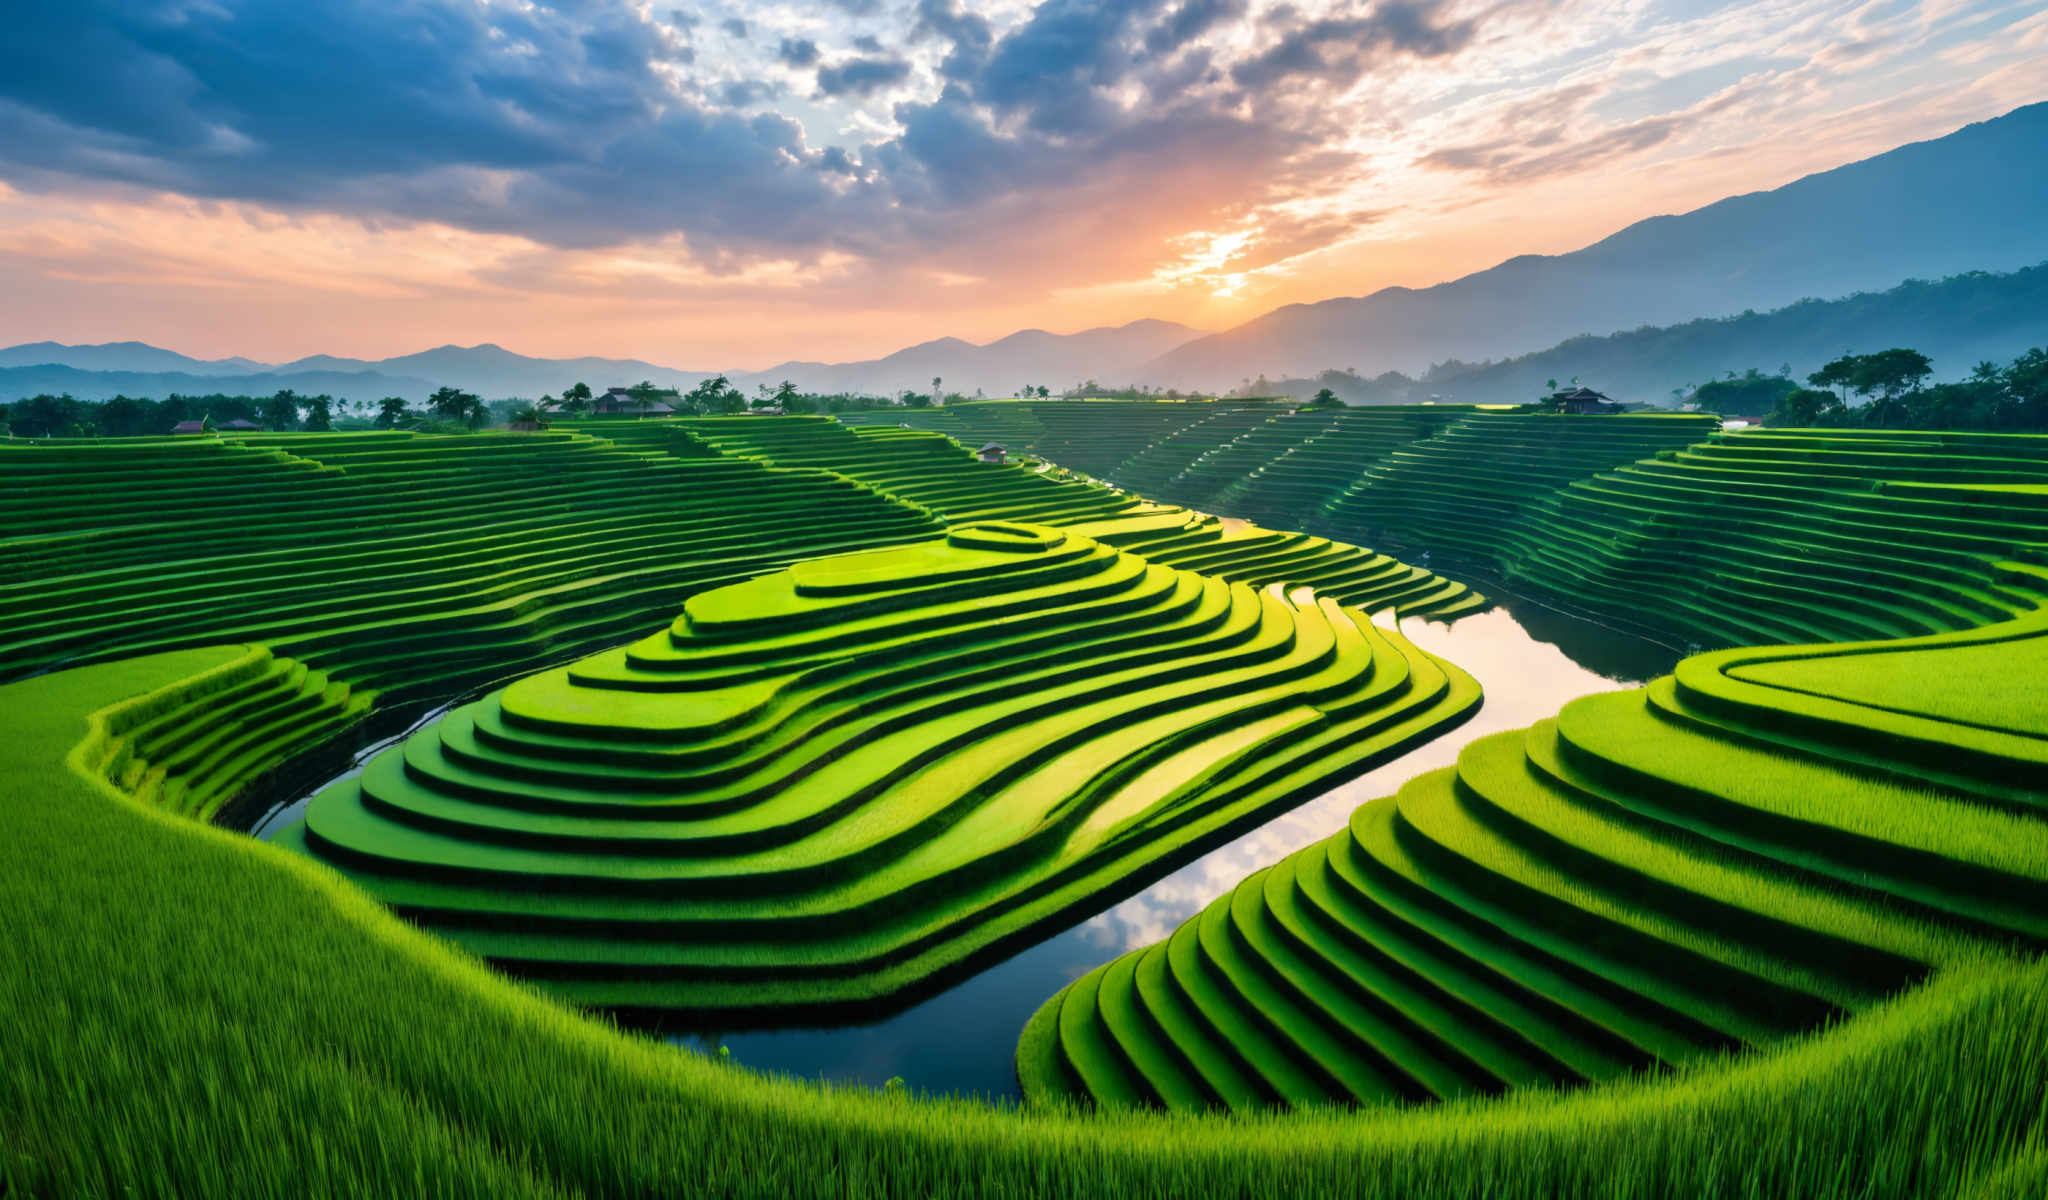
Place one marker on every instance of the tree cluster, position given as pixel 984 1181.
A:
pixel 1889 390
pixel 46 415
pixel 1750 394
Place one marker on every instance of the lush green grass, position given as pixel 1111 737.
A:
pixel 187 1012
pixel 825 785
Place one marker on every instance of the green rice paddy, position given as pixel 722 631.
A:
pixel 1768 926
pixel 826 784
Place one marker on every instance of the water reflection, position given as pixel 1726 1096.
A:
pixel 961 1040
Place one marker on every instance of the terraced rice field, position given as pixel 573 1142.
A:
pixel 894 710
pixel 827 784
pixel 393 561
pixel 1796 535
pixel 1753 846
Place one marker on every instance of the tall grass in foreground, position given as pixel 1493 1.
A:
pixel 184 1012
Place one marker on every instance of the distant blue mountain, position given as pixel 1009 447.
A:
pixel 100 385
pixel 122 356
pixel 1032 356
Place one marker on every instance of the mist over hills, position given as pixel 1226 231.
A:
pixel 1973 200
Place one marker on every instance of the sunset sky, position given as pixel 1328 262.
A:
pixel 727 185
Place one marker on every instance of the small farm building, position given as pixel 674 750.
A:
pixel 619 401
pixel 1583 400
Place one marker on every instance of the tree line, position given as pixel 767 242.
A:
pixel 1889 390
pixel 448 409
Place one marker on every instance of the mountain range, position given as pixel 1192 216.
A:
pixel 1976 199
pixel 1027 358
pixel 1970 201
pixel 1957 322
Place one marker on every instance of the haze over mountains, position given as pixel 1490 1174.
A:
pixel 1973 200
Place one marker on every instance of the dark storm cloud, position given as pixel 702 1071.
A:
pixel 566 122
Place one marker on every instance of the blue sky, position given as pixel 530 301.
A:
pixel 727 182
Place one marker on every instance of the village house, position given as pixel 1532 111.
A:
pixel 994 452
pixel 619 402
pixel 1583 400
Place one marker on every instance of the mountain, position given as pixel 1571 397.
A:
pixel 121 356
pixel 1969 201
pixel 1958 322
pixel 1110 355
pixel 495 372
pixel 55 379
pixel 1032 356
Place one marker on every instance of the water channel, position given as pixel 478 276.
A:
pixel 1530 661
pixel 961 1040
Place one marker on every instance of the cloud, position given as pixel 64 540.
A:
pixel 1340 50
pixel 861 76
pixel 1189 21
pixel 738 93
pixel 798 52
pixel 1062 141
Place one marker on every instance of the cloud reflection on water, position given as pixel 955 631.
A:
pixel 1525 680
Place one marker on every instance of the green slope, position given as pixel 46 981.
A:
pixel 824 785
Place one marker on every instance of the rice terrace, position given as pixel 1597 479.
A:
pixel 1507 657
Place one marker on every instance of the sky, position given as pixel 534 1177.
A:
pixel 728 185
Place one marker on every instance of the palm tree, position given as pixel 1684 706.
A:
pixel 643 394
pixel 475 412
